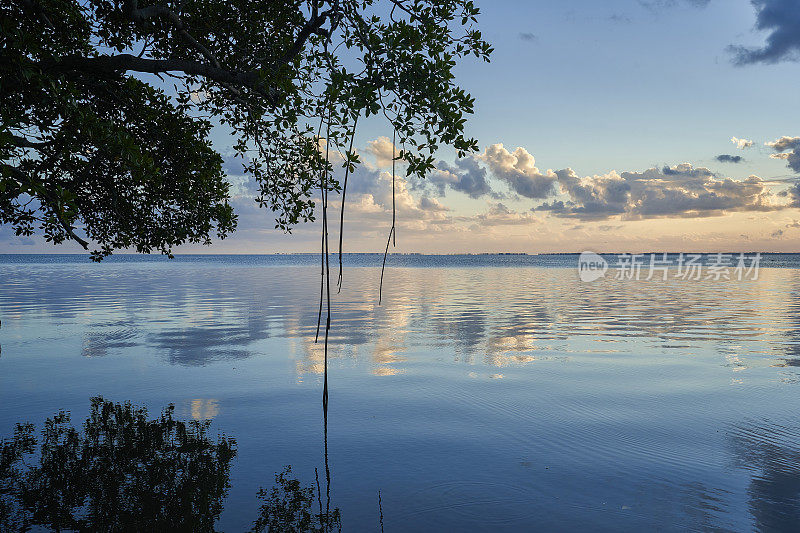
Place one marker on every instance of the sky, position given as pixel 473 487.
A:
pixel 614 126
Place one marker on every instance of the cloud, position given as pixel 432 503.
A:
pixel 618 18
pixel 687 171
pixel 784 143
pixel 726 158
pixel 431 204
pixel 233 165
pixel 368 213
pixel 793 194
pixel 787 148
pixel 466 176
pixel 198 96
pixel 712 197
pixel 501 215
pixel 381 149
pixel 741 144
pixel 592 197
pixel 653 4
pixel 782 19
pixel 678 191
pixel 518 170
pixel 370 201
pixel 530 37
pixel 21 241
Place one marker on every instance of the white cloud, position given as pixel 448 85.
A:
pixel 501 215
pixel 787 148
pixel 681 191
pixel 784 143
pixel 518 169
pixel 678 192
pixel 381 150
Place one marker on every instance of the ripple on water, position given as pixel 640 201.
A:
pixel 633 397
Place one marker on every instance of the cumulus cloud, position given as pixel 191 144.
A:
pixel 501 215
pixel 787 148
pixel 233 165
pixel 381 149
pixel 465 176
pixel 793 194
pixel 741 144
pixel 198 96
pixel 678 191
pixel 592 197
pixel 781 18
pixel 518 170
pixel 714 198
pixel 784 143
pixel 668 192
pixel 727 158
pixel 370 200
pixel 431 204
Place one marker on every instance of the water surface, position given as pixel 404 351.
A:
pixel 486 392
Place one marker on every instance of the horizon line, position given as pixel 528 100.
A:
pixel 400 253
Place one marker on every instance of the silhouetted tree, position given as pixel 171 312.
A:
pixel 108 106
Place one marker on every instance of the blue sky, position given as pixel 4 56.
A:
pixel 606 94
pixel 615 84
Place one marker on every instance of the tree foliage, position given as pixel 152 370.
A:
pixel 108 107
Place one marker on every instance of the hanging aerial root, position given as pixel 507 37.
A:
pixel 392 232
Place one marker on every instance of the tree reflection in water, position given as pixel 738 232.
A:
pixel 288 506
pixel 127 473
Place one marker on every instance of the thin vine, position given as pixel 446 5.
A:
pixel 392 232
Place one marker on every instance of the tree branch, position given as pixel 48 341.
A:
pixel 105 64
pixel 401 5
pixel 23 179
pixel 139 15
pixel 37 11
pixel 312 26
pixel 227 78
pixel 22 142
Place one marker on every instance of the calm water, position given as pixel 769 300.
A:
pixel 485 393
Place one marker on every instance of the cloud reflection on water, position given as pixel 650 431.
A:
pixel 196 315
pixel 618 387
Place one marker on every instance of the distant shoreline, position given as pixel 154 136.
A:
pixel 455 254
